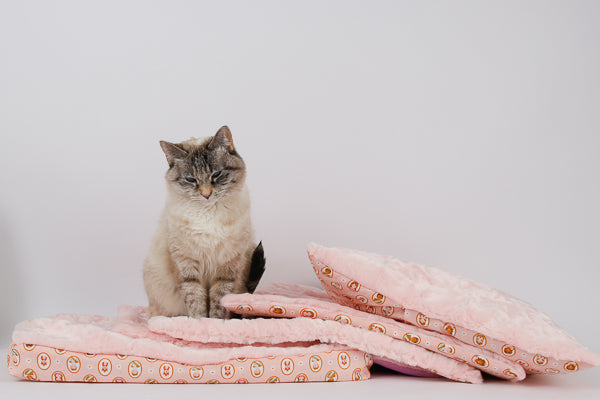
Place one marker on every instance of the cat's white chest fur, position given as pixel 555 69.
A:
pixel 211 234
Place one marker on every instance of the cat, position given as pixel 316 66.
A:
pixel 204 246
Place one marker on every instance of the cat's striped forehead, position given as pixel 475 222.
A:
pixel 204 158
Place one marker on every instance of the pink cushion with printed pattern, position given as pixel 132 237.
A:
pixel 292 301
pixel 438 301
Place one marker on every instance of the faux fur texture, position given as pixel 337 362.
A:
pixel 208 341
pixel 294 298
pixel 277 331
pixel 129 334
pixel 451 298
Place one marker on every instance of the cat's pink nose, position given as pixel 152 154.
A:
pixel 206 193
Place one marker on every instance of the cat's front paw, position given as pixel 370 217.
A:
pixel 219 312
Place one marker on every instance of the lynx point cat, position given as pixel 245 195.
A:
pixel 204 246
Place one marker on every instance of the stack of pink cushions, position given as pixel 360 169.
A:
pixel 418 320
pixel 129 348
pixel 468 327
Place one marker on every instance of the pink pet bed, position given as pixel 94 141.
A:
pixel 417 320
pixel 79 348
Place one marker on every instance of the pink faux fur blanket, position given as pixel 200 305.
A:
pixel 129 333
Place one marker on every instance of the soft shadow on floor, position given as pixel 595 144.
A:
pixel 582 380
pixel 578 380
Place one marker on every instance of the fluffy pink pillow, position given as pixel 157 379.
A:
pixel 439 301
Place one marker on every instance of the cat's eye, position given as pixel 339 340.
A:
pixel 190 179
pixel 215 175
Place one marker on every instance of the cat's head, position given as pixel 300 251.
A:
pixel 205 170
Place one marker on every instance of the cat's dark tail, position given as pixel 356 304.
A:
pixel 257 268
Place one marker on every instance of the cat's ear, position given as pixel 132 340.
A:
pixel 173 152
pixel 222 138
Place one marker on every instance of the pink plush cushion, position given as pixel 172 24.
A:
pixel 291 301
pixel 439 301
pixel 131 348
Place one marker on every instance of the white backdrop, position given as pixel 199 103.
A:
pixel 463 135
